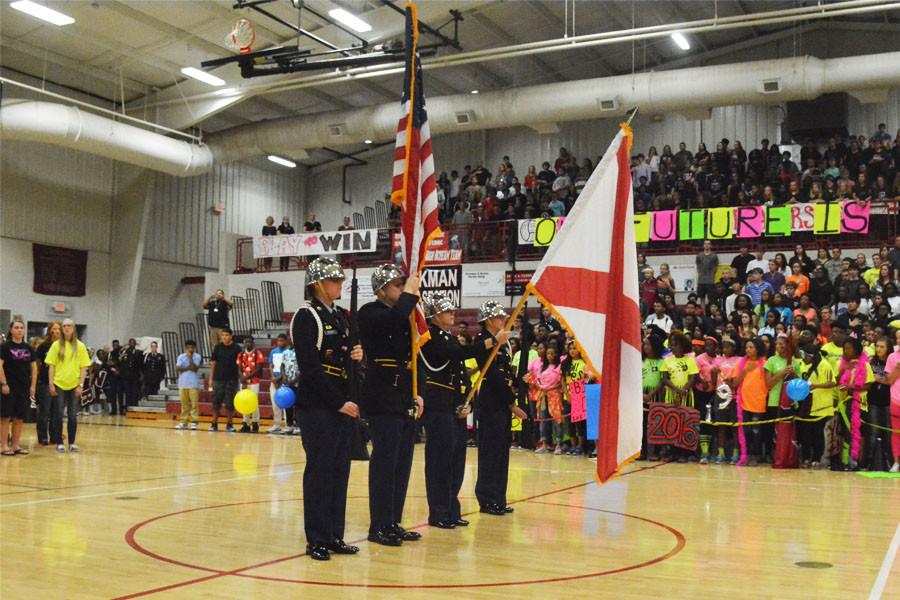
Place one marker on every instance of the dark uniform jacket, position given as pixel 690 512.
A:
pixel 324 381
pixel 443 381
pixel 154 366
pixel 385 335
pixel 496 393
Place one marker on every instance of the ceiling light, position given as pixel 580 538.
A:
pixel 368 142
pixel 350 20
pixel 282 161
pixel 202 76
pixel 42 12
pixel 474 91
pixel 681 41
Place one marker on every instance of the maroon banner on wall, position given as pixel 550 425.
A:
pixel 59 271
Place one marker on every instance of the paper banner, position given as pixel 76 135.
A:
pixel 576 400
pixel 778 221
pixel 685 277
pixel 545 231
pixel 664 226
pixel 642 228
pixel 720 224
pixel 855 217
pixel 803 216
pixel 749 221
pixel 692 224
pixel 592 408
pixel 827 219
pixel 671 424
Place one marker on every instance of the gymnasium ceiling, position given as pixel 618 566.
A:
pixel 137 48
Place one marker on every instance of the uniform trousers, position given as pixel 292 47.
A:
pixel 494 439
pixel 445 463
pixel 326 441
pixel 393 440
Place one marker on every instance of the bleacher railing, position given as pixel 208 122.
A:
pixel 171 347
pixel 497 241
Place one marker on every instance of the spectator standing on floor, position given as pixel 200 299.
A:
pixel 69 361
pixel 130 362
pixel 54 331
pixel 276 358
pixel 154 370
pixel 116 387
pixel 217 307
pixel 223 378
pixel 251 362
pixel 707 265
pixel 188 366
pixel 18 383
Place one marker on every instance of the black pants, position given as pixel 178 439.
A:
pixel 767 432
pixel 878 441
pixel 393 439
pixel 326 441
pixel 132 391
pixel 811 435
pixel 494 438
pixel 445 464
pixel 151 386
pixel 117 396
pixel 43 412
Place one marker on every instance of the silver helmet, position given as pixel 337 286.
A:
pixel 489 309
pixel 437 303
pixel 384 275
pixel 323 268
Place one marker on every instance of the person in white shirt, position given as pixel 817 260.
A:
pixel 759 262
pixel 659 318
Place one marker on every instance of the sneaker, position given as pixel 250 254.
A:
pixel 274 429
pixel 734 459
pixel 295 430
pixel 558 450
pixel 682 459
pixel 255 427
pixel 577 451
pixel 181 426
pixel 245 428
pixel 720 459
pixel 895 468
pixel 194 426
pixel 73 448
pixel 230 428
pixel 288 430
pixel 815 465
pixel 704 460
pixel 60 448
pixel 541 450
pixel 214 427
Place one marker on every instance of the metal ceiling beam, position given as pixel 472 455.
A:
pixel 508 38
pixel 549 15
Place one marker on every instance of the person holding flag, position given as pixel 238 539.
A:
pixel 496 407
pixel 443 386
pixel 388 402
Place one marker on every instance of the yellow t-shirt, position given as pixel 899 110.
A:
pixel 679 370
pixel 833 354
pixel 66 373
pixel 822 399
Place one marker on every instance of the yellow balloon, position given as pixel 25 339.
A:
pixel 246 401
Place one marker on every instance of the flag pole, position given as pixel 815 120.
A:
pixel 413 331
pixel 487 364
pixel 634 111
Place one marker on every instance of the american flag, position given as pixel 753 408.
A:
pixel 414 189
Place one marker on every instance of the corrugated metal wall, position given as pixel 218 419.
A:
pixel 183 227
pixel 864 118
pixel 55 196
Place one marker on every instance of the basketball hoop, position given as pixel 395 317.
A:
pixel 241 36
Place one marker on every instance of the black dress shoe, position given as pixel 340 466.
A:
pixel 317 552
pixel 462 523
pixel 340 547
pixel 406 536
pixel 443 524
pixel 385 537
pixel 493 509
pixel 508 509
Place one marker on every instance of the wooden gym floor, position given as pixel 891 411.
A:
pixel 145 511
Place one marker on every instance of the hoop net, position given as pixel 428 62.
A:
pixel 241 36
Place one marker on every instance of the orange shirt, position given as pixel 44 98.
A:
pixel 754 391
pixel 802 282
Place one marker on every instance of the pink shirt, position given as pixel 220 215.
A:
pixel 726 365
pixel 550 378
pixel 892 363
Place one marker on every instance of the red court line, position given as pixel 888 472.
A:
pixel 216 573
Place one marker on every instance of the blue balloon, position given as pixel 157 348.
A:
pixel 797 389
pixel 285 397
